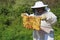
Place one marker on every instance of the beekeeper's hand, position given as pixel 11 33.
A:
pixel 24 14
pixel 43 17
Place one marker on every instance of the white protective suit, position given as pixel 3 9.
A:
pixel 48 33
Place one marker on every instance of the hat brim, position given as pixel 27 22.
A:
pixel 39 6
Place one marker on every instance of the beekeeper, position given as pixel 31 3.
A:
pixel 48 20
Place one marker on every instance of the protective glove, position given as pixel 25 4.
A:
pixel 43 17
pixel 24 14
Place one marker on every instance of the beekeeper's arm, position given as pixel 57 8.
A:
pixel 51 18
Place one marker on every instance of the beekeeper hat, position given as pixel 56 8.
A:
pixel 39 4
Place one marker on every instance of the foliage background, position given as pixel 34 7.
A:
pixel 11 27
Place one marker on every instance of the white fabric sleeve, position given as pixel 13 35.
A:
pixel 51 18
